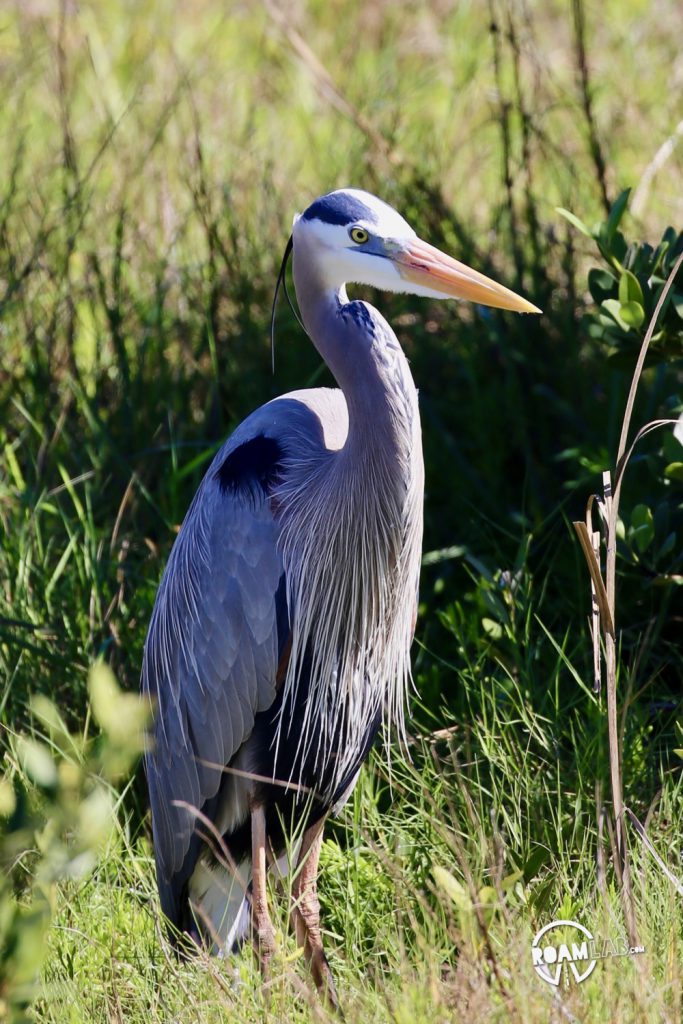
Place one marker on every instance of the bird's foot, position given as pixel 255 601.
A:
pixel 324 980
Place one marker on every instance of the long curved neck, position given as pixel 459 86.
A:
pixel 367 361
pixel 351 536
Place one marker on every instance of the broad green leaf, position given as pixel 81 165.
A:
pixel 668 545
pixel 37 762
pixel 632 313
pixel 629 289
pixel 8 800
pixel 641 515
pixel 29 947
pixel 123 716
pixel 618 248
pixel 574 220
pixel 492 628
pixel 104 695
pixel 617 212
pixel 642 527
pixel 600 284
pixel 456 892
pixel 96 818
pixel 613 307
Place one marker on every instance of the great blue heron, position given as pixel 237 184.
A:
pixel 280 636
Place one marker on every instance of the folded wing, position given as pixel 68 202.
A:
pixel 210 663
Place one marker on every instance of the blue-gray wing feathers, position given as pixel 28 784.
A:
pixel 211 654
pixel 220 623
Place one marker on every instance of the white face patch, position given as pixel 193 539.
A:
pixel 324 230
pixel 327 236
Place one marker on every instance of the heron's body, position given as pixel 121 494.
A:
pixel 280 636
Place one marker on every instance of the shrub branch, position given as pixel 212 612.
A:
pixel 604 595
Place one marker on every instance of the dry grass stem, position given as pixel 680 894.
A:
pixel 640 829
pixel 604 593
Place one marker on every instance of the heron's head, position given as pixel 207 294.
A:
pixel 351 236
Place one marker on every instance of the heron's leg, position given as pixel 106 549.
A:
pixel 306 912
pixel 263 932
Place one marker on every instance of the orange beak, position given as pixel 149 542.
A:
pixel 424 265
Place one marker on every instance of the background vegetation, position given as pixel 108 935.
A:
pixel 153 155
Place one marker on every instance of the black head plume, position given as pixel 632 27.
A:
pixel 282 280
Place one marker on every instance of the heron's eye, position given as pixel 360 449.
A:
pixel 359 235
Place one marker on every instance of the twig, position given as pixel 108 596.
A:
pixel 678 886
pixel 525 135
pixel 655 165
pixel 587 101
pixel 327 86
pixel 506 140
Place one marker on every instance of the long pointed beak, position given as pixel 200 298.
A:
pixel 426 266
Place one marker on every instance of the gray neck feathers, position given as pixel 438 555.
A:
pixel 351 537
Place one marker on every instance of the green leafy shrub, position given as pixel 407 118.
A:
pixel 58 812
pixel 627 286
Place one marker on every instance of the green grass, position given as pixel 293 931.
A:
pixel 152 162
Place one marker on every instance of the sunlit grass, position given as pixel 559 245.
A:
pixel 154 155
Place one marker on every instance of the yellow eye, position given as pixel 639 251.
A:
pixel 359 235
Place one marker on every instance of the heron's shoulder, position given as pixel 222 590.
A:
pixel 301 424
pixel 325 412
pixel 311 418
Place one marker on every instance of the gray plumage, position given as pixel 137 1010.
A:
pixel 279 641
